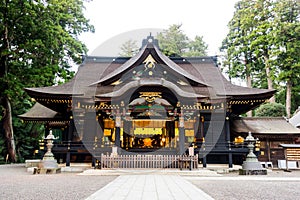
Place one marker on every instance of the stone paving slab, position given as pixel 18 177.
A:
pixel 152 187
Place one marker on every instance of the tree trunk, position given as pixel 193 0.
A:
pixel 8 128
pixel 7 114
pixel 269 80
pixel 288 98
pixel 249 84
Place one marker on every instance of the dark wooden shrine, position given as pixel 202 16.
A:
pixel 146 104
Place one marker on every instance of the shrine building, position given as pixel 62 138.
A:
pixel 146 104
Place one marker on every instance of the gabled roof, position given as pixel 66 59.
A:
pixel 150 49
pixel 264 125
pixel 96 75
pixel 150 83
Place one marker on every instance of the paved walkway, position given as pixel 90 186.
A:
pixel 152 187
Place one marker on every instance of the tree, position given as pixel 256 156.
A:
pixel 241 59
pixel 287 46
pixel 270 110
pixel 174 42
pixel 196 47
pixel 262 39
pixel 248 42
pixel 129 48
pixel 236 45
pixel 38 43
pixel 263 44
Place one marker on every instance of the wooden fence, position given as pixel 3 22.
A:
pixel 147 161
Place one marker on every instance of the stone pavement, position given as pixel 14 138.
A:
pixel 152 183
pixel 149 186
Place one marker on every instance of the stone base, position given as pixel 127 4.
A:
pixel 46 170
pixel 252 165
pixel 48 164
pixel 32 163
pixel 252 168
pixel 252 172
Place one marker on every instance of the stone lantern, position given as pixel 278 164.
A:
pixel 49 163
pixel 251 166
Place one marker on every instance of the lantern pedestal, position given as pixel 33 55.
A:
pixel 251 166
pixel 49 164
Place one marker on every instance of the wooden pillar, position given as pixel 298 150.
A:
pixel 268 149
pixel 227 133
pixel 118 130
pixel 204 161
pixel 117 137
pixel 91 136
pixel 100 131
pixel 70 133
pixel 181 135
pixel 126 134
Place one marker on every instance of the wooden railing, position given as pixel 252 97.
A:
pixel 147 161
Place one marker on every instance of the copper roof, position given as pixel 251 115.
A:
pixel 206 79
pixel 295 120
pixel 143 53
pixel 264 125
pixel 150 83
pixel 40 112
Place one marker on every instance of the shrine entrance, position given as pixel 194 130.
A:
pixel 149 122
pixel 149 134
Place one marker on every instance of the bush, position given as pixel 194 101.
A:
pixel 270 110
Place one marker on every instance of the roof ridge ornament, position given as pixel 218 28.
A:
pixel 150 40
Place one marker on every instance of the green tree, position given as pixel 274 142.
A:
pixel 295 99
pixel 236 45
pixel 174 42
pixel 196 47
pixel 262 39
pixel 287 46
pixel 129 48
pixel 37 46
pixel 262 46
pixel 270 110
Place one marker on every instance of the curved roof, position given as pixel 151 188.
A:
pixel 40 112
pixel 150 48
pixel 95 75
pixel 151 82
pixel 207 72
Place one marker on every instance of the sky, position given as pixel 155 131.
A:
pixel 116 21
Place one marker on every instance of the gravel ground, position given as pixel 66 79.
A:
pixel 17 183
pixel 276 185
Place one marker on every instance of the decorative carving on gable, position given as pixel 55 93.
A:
pixel 149 63
pixel 150 96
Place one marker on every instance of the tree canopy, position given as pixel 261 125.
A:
pixel 129 48
pixel 270 110
pixel 38 46
pixel 263 46
pixel 174 42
